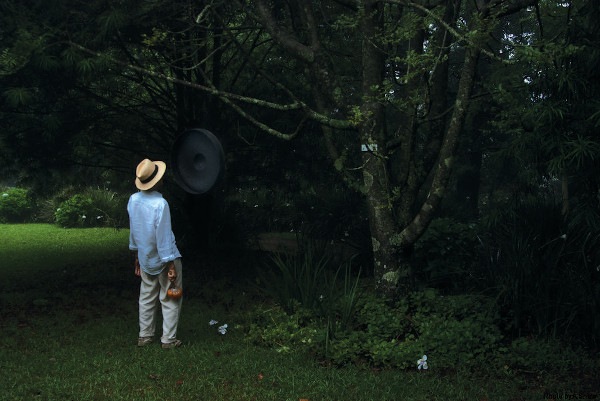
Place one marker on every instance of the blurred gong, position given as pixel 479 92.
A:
pixel 197 160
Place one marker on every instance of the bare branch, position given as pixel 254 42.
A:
pixel 227 97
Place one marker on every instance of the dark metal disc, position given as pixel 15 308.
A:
pixel 197 160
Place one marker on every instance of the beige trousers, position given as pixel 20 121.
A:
pixel 153 292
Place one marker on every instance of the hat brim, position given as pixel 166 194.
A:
pixel 198 161
pixel 145 186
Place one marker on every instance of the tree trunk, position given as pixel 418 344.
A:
pixel 372 131
pixel 446 156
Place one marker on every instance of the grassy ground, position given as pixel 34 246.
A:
pixel 68 328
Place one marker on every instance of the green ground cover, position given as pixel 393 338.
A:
pixel 68 328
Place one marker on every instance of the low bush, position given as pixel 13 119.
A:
pixel 459 330
pixel 16 205
pixel 272 327
pixel 89 208
pixel 110 208
pixel 455 332
pixel 75 212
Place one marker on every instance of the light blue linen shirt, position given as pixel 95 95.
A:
pixel 150 231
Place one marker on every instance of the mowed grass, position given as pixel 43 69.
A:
pixel 31 251
pixel 68 330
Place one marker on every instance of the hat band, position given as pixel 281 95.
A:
pixel 151 177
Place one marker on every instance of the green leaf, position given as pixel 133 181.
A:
pixel 18 96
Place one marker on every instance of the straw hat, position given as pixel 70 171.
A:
pixel 148 173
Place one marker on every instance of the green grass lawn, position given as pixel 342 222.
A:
pixel 32 251
pixel 68 331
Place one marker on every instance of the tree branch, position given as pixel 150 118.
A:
pixel 295 105
pixel 446 158
pixel 462 37
pixel 287 41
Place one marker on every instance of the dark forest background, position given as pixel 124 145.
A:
pixel 448 144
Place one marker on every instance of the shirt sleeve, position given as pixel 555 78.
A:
pixel 132 244
pixel 165 241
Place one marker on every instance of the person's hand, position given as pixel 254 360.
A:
pixel 172 274
pixel 136 270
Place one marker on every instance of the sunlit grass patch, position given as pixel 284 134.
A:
pixel 27 248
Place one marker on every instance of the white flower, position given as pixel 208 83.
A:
pixel 84 217
pixel 98 217
pixel 422 363
pixel 4 195
pixel 213 322
pixel 223 329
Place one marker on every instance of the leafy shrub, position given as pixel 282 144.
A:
pixel 16 205
pixel 91 207
pixel 76 211
pixel 452 330
pixel 274 328
pixel 459 330
pixel 109 208
pixel 381 335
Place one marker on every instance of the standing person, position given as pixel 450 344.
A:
pixel 158 261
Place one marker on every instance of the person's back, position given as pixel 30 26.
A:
pixel 158 261
pixel 150 230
